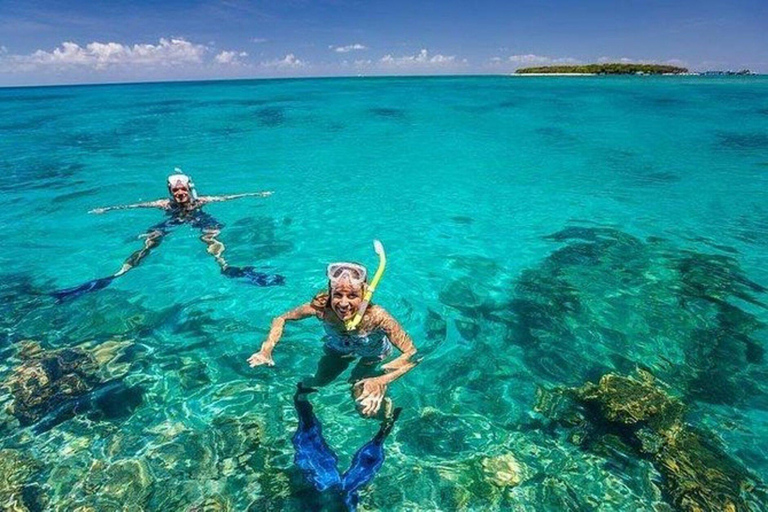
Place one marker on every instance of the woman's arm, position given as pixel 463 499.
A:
pixel 219 199
pixel 400 339
pixel 370 392
pixel 160 203
pixel 264 355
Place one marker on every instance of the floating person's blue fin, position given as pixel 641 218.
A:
pixel 313 455
pixel 254 277
pixel 90 286
pixel 366 462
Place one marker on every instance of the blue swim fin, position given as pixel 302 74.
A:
pixel 313 455
pixel 254 277
pixel 90 286
pixel 366 462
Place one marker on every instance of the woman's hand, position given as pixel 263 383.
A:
pixel 369 394
pixel 262 357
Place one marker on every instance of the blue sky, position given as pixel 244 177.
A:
pixel 43 42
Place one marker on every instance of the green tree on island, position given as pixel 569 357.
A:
pixel 607 69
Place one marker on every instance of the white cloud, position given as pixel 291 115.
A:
pixel 3 49
pixel 539 60
pixel 421 59
pixel 627 60
pixel 290 61
pixel 229 57
pixel 168 52
pixel 259 40
pixel 348 48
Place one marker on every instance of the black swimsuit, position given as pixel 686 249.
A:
pixel 196 218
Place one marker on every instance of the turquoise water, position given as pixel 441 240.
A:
pixel 541 232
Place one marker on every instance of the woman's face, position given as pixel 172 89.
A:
pixel 345 299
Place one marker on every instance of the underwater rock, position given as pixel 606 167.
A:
pixel 742 141
pixel 462 219
pixel 236 442
pixel 502 471
pixel 126 482
pixel 467 330
pixel 476 483
pixel 715 277
pixel 435 327
pixel 436 433
pixel 16 469
pixel 632 402
pixel 698 474
pixel 387 113
pixel 460 294
pixel 52 386
pixel 45 380
pixel 186 454
pixel 193 375
pixel 271 117
pixel 214 503
pixel 262 237
pixel 111 358
pixel 607 300
pixel 556 494
pixel 113 399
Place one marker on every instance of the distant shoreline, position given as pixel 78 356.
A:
pixel 553 74
pixel 608 68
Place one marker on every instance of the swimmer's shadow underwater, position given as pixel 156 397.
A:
pixel 184 207
pixel 318 462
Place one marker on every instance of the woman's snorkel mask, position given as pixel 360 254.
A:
pixel 356 275
pixel 183 179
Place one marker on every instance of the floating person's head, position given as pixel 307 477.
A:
pixel 346 287
pixel 181 188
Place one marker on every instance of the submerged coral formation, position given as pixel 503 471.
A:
pixel 47 379
pixel 698 475
pixel 17 470
pixel 51 386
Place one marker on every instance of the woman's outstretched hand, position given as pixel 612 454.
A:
pixel 369 394
pixel 260 358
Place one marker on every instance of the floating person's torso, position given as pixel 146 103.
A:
pixel 194 217
pixel 368 345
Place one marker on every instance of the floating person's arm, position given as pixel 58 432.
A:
pixel 219 199
pixel 264 355
pixel 370 392
pixel 160 203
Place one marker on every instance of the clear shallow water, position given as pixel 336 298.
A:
pixel 656 186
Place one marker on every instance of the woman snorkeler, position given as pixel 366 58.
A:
pixel 354 329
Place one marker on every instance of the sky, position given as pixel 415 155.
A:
pixel 53 42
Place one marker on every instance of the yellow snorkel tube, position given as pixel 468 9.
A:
pixel 352 324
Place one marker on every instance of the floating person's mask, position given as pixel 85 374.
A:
pixel 174 180
pixel 343 271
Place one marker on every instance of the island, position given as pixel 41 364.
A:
pixel 605 69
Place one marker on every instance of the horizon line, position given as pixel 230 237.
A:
pixel 694 74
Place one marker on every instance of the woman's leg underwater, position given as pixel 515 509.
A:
pixel 329 367
pixel 216 249
pixel 152 239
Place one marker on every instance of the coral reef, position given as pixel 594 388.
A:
pixel 637 415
